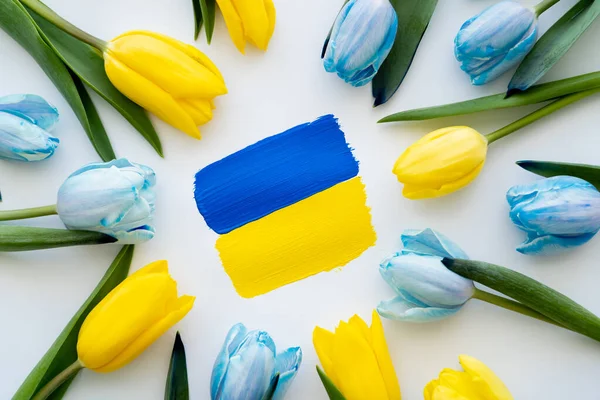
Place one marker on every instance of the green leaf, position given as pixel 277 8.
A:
pixel 531 293
pixel 590 173
pixel 332 391
pixel 554 44
pixel 16 21
pixel 63 351
pixel 198 20
pixel 208 8
pixel 536 94
pixel 25 238
pixel 177 379
pixel 413 19
pixel 88 64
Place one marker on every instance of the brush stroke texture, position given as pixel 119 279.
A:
pixel 320 233
pixel 274 173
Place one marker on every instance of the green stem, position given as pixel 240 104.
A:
pixel 543 6
pixel 58 380
pixel 25 213
pixel 542 112
pixel 48 14
pixel 512 305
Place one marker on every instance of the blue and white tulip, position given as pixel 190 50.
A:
pixel 557 213
pixel 247 367
pixel 115 198
pixel 496 40
pixel 25 123
pixel 426 290
pixel 361 38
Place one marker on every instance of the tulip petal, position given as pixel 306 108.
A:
pixel 330 57
pixel 429 389
pixel 145 93
pixel 549 244
pixel 156 267
pixel 255 20
pixel 479 371
pixel 178 310
pixel 234 23
pixel 444 393
pixel 431 242
pixel 462 383
pixel 22 140
pixel 234 338
pixel 32 108
pixel 400 309
pixel 271 15
pixel 415 192
pixel 361 327
pixel 286 365
pixel 123 317
pixel 356 366
pixel 134 236
pixel 199 110
pixel 386 367
pixel 323 343
pixel 250 368
pixel 166 66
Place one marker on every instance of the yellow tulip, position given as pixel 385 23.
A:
pixel 441 162
pixel 357 360
pixel 171 79
pixel 130 318
pixel 477 382
pixel 249 21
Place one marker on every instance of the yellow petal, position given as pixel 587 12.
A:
pixel 122 316
pixel 234 23
pixel 442 156
pixel 272 16
pixel 356 366
pixel 361 327
pixel 480 371
pixel 444 393
pixel 383 358
pixel 255 21
pixel 460 382
pixel 168 67
pixel 323 342
pixel 190 50
pixel 178 310
pixel 200 115
pixel 429 389
pixel 156 267
pixel 417 192
pixel 145 93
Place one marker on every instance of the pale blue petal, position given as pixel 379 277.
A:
pixel 330 53
pixel 135 236
pixel 250 369
pixel 286 365
pixel 22 140
pixel 426 279
pixel 32 108
pixel 549 245
pixel 431 242
pixel 400 309
pixel 234 338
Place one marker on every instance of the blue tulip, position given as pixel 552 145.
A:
pixel 361 38
pixel 248 369
pixel 495 41
pixel 557 213
pixel 25 120
pixel 426 289
pixel 115 198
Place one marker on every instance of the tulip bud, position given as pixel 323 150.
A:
pixel 248 369
pixel 361 38
pixel 478 381
pixel 426 289
pixel 130 318
pixel 115 198
pixel 441 162
pixel 249 21
pixel 557 213
pixel 171 79
pixel 495 40
pixel 25 120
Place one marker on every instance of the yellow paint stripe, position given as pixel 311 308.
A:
pixel 320 233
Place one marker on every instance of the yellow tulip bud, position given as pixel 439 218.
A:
pixel 477 382
pixel 249 21
pixel 441 162
pixel 357 361
pixel 171 79
pixel 130 318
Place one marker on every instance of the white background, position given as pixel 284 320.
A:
pixel 40 291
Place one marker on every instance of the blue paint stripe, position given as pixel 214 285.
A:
pixel 273 173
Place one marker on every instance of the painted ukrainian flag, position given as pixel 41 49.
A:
pixel 287 207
